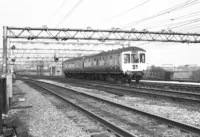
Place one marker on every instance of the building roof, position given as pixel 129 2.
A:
pixel 74 59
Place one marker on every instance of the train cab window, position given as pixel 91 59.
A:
pixel 126 58
pixel 142 58
pixel 134 58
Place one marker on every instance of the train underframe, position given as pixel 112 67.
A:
pixel 112 77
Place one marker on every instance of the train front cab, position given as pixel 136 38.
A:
pixel 134 64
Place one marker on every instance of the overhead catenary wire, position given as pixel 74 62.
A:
pixel 177 7
pixel 186 23
pixel 167 11
pixel 190 29
pixel 188 15
pixel 60 7
pixel 159 24
pixel 70 12
pixel 170 26
pixel 179 24
pixel 133 8
pixel 122 13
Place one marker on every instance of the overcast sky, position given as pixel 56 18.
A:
pixel 183 16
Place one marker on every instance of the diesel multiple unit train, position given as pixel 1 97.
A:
pixel 124 65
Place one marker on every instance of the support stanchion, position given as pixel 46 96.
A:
pixel 4 97
pixel 2 88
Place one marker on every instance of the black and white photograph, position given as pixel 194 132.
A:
pixel 100 68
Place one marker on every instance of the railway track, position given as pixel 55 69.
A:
pixel 83 107
pixel 183 96
pixel 174 86
pixel 100 106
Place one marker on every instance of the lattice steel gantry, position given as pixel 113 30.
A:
pixel 101 35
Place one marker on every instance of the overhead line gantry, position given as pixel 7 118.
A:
pixel 101 35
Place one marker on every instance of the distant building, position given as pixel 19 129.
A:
pixel 169 67
pixel 188 67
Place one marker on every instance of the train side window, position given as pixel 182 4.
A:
pixel 142 58
pixel 126 58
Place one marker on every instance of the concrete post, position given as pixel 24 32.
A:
pixel 4 61
pixel 9 87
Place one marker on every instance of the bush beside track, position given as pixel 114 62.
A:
pixel 158 73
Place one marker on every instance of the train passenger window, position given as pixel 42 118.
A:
pixel 126 58
pixel 142 58
pixel 134 58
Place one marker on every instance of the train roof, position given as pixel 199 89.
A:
pixel 104 53
pixel 116 51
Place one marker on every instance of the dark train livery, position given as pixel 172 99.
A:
pixel 124 64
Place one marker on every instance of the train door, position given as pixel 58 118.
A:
pixel 126 61
pixel 142 61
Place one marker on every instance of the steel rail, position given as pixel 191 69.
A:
pixel 159 90
pixel 174 123
pixel 186 86
pixel 169 91
pixel 137 91
pixel 117 130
